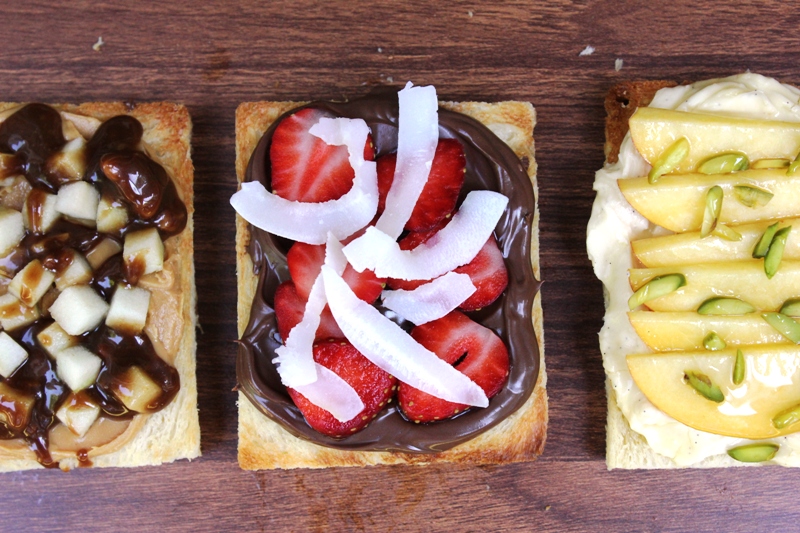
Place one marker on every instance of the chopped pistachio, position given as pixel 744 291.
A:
pixel 785 325
pixel 655 288
pixel 669 159
pixel 724 163
pixel 712 210
pixel 703 385
pixel 725 306
pixel 787 417
pixel 762 246
pixel 770 163
pixel 754 453
pixel 794 166
pixel 775 253
pixel 751 196
pixel 714 342
pixel 738 368
pixel 724 232
pixel 791 307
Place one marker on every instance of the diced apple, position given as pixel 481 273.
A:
pixel 128 312
pixel 770 386
pixel 15 314
pixel 78 200
pixel 654 130
pixel 78 309
pixel 112 215
pixel 78 413
pixel 69 164
pixel 86 125
pixel 78 367
pixel 54 339
pixel 30 283
pixel 136 390
pixel 15 407
pixel 104 250
pixel 677 202
pixel 46 212
pixel 144 251
pixel 77 273
pixel 9 164
pixel 14 191
pixel 12 229
pixel 738 279
pixel 12 355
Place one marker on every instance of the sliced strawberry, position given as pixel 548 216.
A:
pixel 289 309
pixel 305 262
pixel 474 350
pixel 439 196
pixel 487 270
pixel 374 386
pixel 304 167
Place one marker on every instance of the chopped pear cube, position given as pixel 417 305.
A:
pixel 70 163
pixel 54 339
pixel 12 229
pixel 15 407
pixel 15 314
pixel 144 251
pixel 12 355
pixel 78 367
pixel 104 250
pixel 78 200
pixel 87 126
pixel 112 215
pixel 46 212
pixel 136 390
pixel 78 309
pixel 128 312
pixel 77 273
pixel 78 413
pixel 30 283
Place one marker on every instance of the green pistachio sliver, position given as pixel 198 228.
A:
pixel 714 342
pixel 669 159
pixel 725 306
pixel 702 384
pixel 751 196
pixel 754 453
pixel 794 166
pixel 738 368
pixel 712 210
pixel 655 288
pixel 785 325
pixel 791 307
pixel 724 232
pixel 762 247
pixel 724 163
pixel 787 417
pixel 770 163
pixel 775 253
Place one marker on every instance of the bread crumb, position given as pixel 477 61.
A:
pixel 589 50
pixel 618 65
pixel 96 46
pixel 547 507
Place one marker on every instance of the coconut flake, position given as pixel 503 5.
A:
pixel 389 347
pixel 431 301
pixel 333 394
pixel 453 246
pixel 417 136
pixel 310 222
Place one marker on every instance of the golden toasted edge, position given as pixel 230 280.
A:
pixel 174 432
pixel 263 444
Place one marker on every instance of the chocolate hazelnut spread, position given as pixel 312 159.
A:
pixel 34 135
pixel 491 165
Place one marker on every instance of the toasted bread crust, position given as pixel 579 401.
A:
pixel 263 444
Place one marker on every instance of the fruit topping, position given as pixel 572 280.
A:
pixel 12 355
pixel 471 348
pixel 289 308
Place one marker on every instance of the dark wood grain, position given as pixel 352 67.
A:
pixel 213 55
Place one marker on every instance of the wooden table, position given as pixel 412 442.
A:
pixel 213 55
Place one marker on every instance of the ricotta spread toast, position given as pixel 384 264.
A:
pixel 366 301
pixel 691 235
pixel 97 296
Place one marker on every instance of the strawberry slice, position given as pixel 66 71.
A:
pixel 305 262
pixel 474 350
pixel 289 309
pixel 487 270
pixel 374 386
pixel 439 196
pixel 304 167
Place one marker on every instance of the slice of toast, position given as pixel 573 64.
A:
pixel 174 431
pixel 264 444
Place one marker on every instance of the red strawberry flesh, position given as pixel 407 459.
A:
pixel 289 308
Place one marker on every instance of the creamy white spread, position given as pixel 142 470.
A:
pixel 614 224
